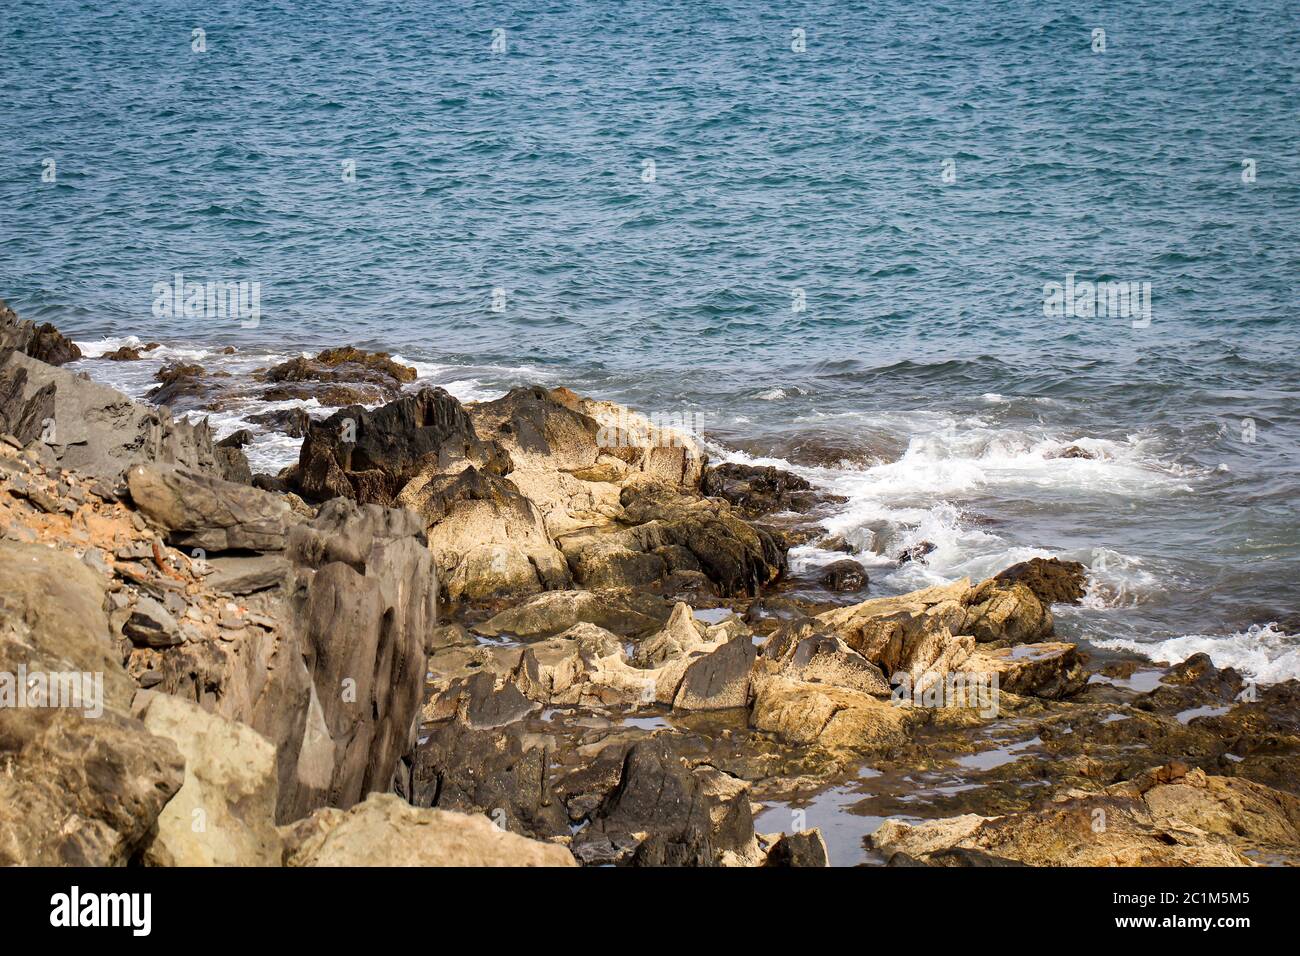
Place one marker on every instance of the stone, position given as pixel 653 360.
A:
pixel 843 575
pixel 625 612
pixel 384 830
pixel 696 815
pixel 427 432
pixel 1052 580
pixel 800 713
pixel 916 552
pixel 998 611
pixel 43 342
pixel 224 812
pixel 91 429
pixel 201 511
pixel 806 848
pixel 1052 670
pixel 756 490
pixel 148 624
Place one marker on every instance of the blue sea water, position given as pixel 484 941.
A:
pixel 912 177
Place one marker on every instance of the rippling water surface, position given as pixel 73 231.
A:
pixel 922 380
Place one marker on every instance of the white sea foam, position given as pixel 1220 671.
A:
pixel 1262 652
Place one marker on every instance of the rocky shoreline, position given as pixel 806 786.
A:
pixel 541 630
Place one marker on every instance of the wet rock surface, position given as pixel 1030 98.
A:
pixel 543 631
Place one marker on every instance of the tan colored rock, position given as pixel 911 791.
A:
pixel 997 611
pixel 384 830
pixel 1052 670
pixel 805 713
pixel 224 813
pixel 1167 817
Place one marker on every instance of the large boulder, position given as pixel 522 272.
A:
pixel 663 812
pixel 487 539
pixel 756 490
pixel 224 813
pixel 200 511
pixel 1052 580
pixel 1166 817
pixel 387 831
pixel 623 611
pixel 369 455
pixel 329 665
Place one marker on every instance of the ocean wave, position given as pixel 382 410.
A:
pixel 1262 652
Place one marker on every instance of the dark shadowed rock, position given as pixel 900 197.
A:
pixel 293 422
pixel 1052 580
pixel 916 552
pixel 799 849
pixel 369 456
pixel 44 342
pixel 339 376
pixel 844 575
pixel 758 490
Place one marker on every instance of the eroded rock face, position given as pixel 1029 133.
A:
pixel 662 812
pixel 92 429
pixel 488 540
pixel 369 456
pixel 81 783
pixel 339 376
pixel 224 813
pixel 387 831
pixel 44 342
pixel 199 511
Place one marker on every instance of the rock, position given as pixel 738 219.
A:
pixel 688 815
pixel 372 375
pixel 758 490
pixel 180 381
pixel 199 511
pixel 224 812
pixel 501 773
pixel 44 342
pixel 1052 670
pixel 736 558
pixel 804 653
pixel 1168 817
pixel 125 353
pixel 94 430
pixel 428 432
pixel 799 849
pixel 82 783
pixel 1053 581
pixel 387 831
pixel 624 612
pixel 78 791
pixel 802 713
pixel 1071 451
pixel 236 439
pixel 333 675
pixel 998 611
pixel 148 624
pixel 916 552
pixel 487 539
pixel 844 575
pixel 919 635
pixel 293 422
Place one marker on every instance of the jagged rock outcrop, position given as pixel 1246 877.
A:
pixel 369 456
pixel 92 429
pixel 224 812
pixel 44 342
pixel 199 511
pixel 339 376
pixel 757 490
